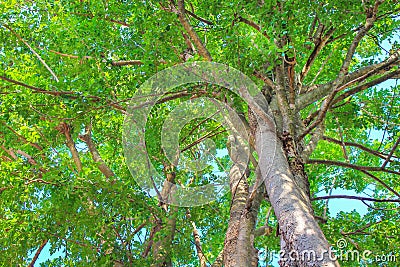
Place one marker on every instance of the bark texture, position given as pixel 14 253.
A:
pixel 302 240
pixel 239 241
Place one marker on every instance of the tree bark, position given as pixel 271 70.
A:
pixel 239 247
pixel 302 240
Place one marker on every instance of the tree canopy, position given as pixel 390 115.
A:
pixel 71 74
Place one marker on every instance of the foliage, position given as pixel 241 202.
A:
pixel 93 220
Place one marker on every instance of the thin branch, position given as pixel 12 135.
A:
pixel 126 62
pixel 360 231
pixel 30 159
pixel 315 138
pixel 326 104
pixel 198 125
pixel 366 85
pixel 9 152
pixel 366 149
pixel 317 49
pixel 351 166
pixel 113 63
pixel 394 11
pixel 41 181
pixel 34 259
pixel 342 144
pixel 355 90
pixel 357 198
pixel 106 18
pixel 381 182
pixel 140 227
pixel 70 94
pixel 36 89
pixel 35 145
pixel 322 67
pixel 2 189
pixel 198 18
pixel 330 193
pixel 391 153
pixel 208 135
pixel 32 50
pixel 253 25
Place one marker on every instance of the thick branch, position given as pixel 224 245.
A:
pixel 87 138
pixel 192 33
pixel 371 18
pixel 197 241
pixel 317 92
pixel 219 261
pixel 66 130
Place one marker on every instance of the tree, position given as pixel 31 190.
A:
pixel 72 71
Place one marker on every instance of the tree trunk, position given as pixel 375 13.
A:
pixel 239 241
pixel 302 240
